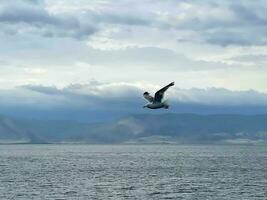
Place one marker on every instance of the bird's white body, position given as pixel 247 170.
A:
pixel 157 105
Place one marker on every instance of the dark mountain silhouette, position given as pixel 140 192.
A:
pixel 164 128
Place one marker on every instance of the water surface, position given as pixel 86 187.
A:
pixel 133 172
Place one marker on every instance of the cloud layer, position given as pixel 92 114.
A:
pixel 129 46
pixel 31 17
pixel 102 101
pixel 221 23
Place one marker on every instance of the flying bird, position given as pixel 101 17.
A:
pixel 156 101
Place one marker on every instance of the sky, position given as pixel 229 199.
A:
pixel 97 57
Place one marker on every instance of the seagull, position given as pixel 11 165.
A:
pixel 156 101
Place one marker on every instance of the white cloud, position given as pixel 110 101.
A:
pixel 35 71
pixel 97 100
pixel 122 91
pixel 24 17
pixel 196 43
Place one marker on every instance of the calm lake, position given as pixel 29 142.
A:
pixel 133 172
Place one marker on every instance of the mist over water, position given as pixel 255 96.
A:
pixel 133 172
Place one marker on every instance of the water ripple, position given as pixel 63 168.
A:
pixel 133 172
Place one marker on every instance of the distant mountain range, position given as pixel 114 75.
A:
pixel 164 128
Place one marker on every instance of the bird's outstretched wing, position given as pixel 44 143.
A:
pixel 148 97
pixel 160 94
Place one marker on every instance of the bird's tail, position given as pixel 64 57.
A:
pixel 166 102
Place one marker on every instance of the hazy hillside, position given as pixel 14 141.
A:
pixel 11 131
pixel 199 128
pixel 178 128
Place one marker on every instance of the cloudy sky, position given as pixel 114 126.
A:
pixel 94 53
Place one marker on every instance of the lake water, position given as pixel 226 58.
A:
pixel 133 172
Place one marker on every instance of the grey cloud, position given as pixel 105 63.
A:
pixel 244 23
pixel 76 102
pixel 93 90
pixel 44 23
pixel 251 58
pixel 76 25
pixel 27 14
pixel 48 90
pixel 4 63
pixel 225 38
pixel 239 23
pixel 124 92
pixel 108 101
pixel 119 18
pixel 221 96
pixel 246 29
pixel 245 26
pixel 248 14
pixel 33 1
